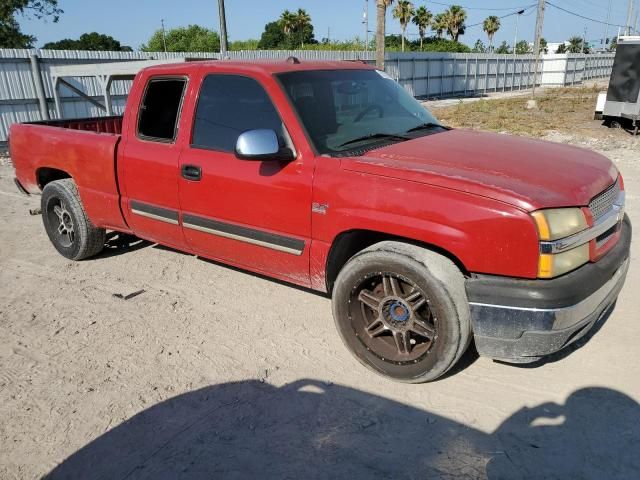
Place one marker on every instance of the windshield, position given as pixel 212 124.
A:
pixel 347 110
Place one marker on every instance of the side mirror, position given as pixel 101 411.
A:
pixel 261 145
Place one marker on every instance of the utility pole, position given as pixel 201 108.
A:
pixel 536 43
pixel 584 39
pixel 629 15
pixel 365 21
pixel 605 41
pixel 515 39
pixel 224 46
pixel 164 38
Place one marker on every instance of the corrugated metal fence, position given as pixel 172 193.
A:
pixel 428 75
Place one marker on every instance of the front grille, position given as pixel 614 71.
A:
pixel 602 203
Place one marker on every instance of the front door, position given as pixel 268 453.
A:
pixel 254 214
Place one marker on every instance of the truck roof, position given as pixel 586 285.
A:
pixel 263 66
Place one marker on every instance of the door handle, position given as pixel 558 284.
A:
pixel 191 172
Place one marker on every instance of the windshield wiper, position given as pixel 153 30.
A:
pixel 425 126
pixel 374 136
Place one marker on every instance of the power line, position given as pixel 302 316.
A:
pixel 477 8
pixel 599 5
pixel 527 7
pixel 583 17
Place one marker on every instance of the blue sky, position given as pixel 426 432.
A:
pixel 133 21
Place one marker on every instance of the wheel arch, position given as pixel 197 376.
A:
pixel 45 175
pixel 348 243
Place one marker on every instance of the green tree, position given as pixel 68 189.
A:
pixel 576 45
pixel 287 22
pixel 250 44
pixel 12 37
pixel 89 41
pixel 504 48
pixel 491 25
pixel 403 12
pixel 544 46
pixel 302 25
pixel 562 48
pixel 422 19
pixel 272 37
pixel 435 44
pixel 355 44
pixel 454 20
pixel 439 24
pixel 10 34
pixel 300 33
pixel 523 47
pixel 193 38
pixel 479 47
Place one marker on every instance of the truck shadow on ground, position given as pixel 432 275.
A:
pixel 309 429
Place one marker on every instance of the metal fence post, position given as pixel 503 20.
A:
pixel 442 77
pixel 506 70
pixel 428 76
pixel 475 78
pixel 413 76
pixel 486 75
pixel 453 77
pixel 56 97
pixel 466 75
pixel 39 87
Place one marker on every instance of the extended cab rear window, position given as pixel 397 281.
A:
pixel 160 109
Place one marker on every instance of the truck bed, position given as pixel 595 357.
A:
pixel 83 149
pixel 111 125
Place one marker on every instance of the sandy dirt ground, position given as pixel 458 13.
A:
pixel 217 373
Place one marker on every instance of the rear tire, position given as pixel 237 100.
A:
pixel 402 311
pixel 66 222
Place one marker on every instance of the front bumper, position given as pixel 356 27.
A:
pixel 522 320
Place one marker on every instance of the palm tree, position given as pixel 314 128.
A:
pixel 381 15
pixel 575 44
pixel 287 22
pixel 455 18
pixel 422 18
pixel 403 12
pixel 301 21
pixel 491 25
pixel 439 24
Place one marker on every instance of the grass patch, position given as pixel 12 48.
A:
pixel 560 109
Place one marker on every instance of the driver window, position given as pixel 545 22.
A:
pixel 229 105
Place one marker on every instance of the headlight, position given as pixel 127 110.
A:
pixel 552 265
pixel 554 224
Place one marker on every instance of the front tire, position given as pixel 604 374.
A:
pixel 66 222
pixel 402 311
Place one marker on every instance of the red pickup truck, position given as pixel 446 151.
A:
pixel 330 176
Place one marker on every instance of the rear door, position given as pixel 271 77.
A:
pixel 150 162
pixel 254 214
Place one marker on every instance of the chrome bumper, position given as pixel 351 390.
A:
pixel 563 325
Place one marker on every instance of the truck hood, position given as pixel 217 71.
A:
pixel 529 174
